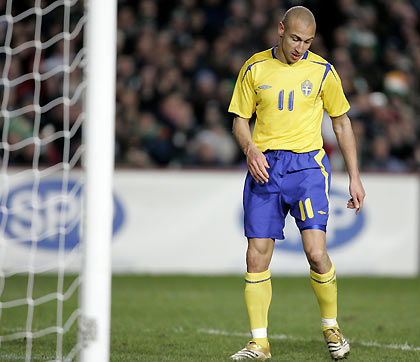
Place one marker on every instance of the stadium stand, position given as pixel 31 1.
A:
pixel 177 66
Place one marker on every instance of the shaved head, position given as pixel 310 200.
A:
pixel 298 12
pixel 296 30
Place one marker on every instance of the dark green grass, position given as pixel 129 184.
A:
pixel 195 318
pixel 14 320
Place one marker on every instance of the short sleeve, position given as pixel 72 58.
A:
pixel 335 102
pixel 243 102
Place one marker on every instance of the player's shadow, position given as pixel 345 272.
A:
pixel 287 350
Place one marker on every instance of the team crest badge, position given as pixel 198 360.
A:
pixel 306 88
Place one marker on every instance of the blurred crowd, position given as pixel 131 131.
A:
pixel 41 103
pixel 177 66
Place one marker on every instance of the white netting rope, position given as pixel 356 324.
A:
pixel 55 62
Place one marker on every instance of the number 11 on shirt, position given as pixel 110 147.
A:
pixel 290 103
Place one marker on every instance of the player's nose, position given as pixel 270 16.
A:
pixel 299 47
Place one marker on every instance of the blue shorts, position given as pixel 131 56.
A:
pixel 299 183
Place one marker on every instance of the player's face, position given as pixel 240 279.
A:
pixel 295 40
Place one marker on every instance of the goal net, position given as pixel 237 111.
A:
pixel 56 162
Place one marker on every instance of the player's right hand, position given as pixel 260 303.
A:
pixel 257 164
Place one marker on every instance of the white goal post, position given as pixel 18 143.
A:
pixel 94 323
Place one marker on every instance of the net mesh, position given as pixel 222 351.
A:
pixel 41 87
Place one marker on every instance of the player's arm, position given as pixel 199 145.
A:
pixel 255 159
pixel 345 138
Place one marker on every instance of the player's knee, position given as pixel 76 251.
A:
pixel 257 261
pixel 317 257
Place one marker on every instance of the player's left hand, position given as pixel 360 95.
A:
pixel 358 194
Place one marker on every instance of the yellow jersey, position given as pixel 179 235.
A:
pixel 289 100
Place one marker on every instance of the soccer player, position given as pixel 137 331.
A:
pixel 289 87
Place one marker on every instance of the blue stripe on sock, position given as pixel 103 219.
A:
pixel 258 281
pixel 318 281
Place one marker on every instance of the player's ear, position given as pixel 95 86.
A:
pixel 280 29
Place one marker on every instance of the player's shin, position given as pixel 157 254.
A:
pixel 325 289
pixel 258 298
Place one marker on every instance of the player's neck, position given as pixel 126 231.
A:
pixel 279 54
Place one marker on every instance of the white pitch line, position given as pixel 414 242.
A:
pixel 402 347
pixel 22 358
pixel 14 329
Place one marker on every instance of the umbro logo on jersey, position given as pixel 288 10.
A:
pixel 264 86
pixel 306 88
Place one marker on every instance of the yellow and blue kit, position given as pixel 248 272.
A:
pixel 289 101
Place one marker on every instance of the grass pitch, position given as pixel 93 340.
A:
pixel 196 318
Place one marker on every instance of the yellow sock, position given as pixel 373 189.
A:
pixel 325 288
pixel 257 299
